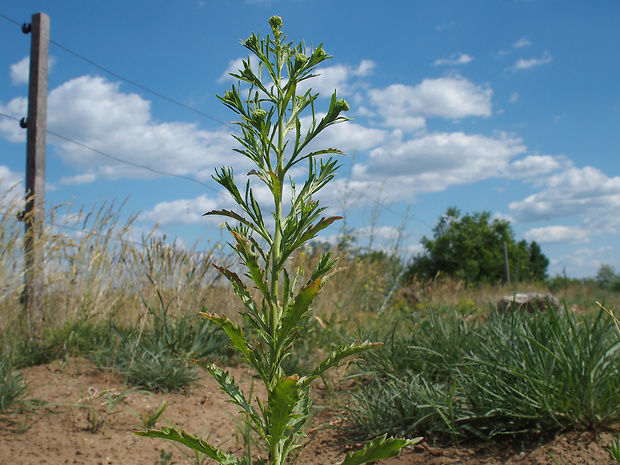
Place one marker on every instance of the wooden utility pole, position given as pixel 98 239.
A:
pixel 34 213
pixel 506 267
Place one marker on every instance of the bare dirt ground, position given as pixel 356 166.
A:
pixel 61 431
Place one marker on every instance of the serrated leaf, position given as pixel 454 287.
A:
pixel 237 338
pixel 338 355
pixel 233 215
pixel 194 443
pixel 281 404
pixel 378 449
pixel 300 306
pixel 227 384
pixel 241 291
pixel 256 273
pixel 314 229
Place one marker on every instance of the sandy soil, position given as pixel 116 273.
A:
pixel 61 432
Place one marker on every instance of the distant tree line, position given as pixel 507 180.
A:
pixel 471 248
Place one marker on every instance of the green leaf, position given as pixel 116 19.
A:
pixel 193 443
pixel 250 258
pixel 299 307
pixel 237 338
pixel 314 229
pixel 378 449
pixel 239 218
pixel 281 404
pixel 338 355
pixel 241 291
pixel 228 385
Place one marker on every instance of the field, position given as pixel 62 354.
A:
pixel 122 320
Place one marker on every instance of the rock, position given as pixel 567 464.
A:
pixel 530 302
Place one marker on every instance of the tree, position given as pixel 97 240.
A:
pixel 470 247
pixel 607 278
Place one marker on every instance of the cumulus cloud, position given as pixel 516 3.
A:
pixel 95 113
pixel 181 211
pixel 558 234
pixel 9 128
pixel 435 161
pixel 20 71
pixel 343 78
pixel 86 178
pixel 523 63
pixel 522 42
pixel 327 79
pixel 586 260
pixel 9 180
pixel 535 165
pixel 575 191
pixel 347 137
pixel 454 60
pixel 406 107
pixel 234 66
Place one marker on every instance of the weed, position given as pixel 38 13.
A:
pixel 12 388
pixel 165 458
pixel 274 141
pixel 614 449
pixel 513 374
pixel 147 420
pixel 101 406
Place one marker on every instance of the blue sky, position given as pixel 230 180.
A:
pixel 510 107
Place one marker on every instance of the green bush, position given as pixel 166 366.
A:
pixel 12 387
pixel 158 358
pixel 516 373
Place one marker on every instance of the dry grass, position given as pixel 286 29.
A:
pixel 97 268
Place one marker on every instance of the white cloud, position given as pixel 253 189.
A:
pixel 586 260
pixel 78 179
pixel 456 59
pixel 380 237
pixel 514 98
pixel 405 107
pixel 338 77
pixel 535 165
pixel 20 71
pixel 347 137
pixel 558 234
pixel 9 180
pixel 234 66
pixel 445 26
pixel 523 63
pixel 94 112
pixel 522 42
pixel 573 192
pixel 9 128
pixel 328 78
pixel 181 211
pixel 435 161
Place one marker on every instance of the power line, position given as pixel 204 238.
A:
pixel 130 81
pixel 11 20
pixel 140 86
pixel 162 96
pixel 120 160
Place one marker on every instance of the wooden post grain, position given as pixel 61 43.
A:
pixel 35 172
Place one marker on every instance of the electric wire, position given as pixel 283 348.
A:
pixel 130 81
pixel 120 160
pixel 162 96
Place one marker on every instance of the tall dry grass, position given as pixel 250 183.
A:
pixel 97 268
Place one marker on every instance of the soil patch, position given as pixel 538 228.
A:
pixel 78 396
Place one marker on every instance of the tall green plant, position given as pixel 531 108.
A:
pixel 273 138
